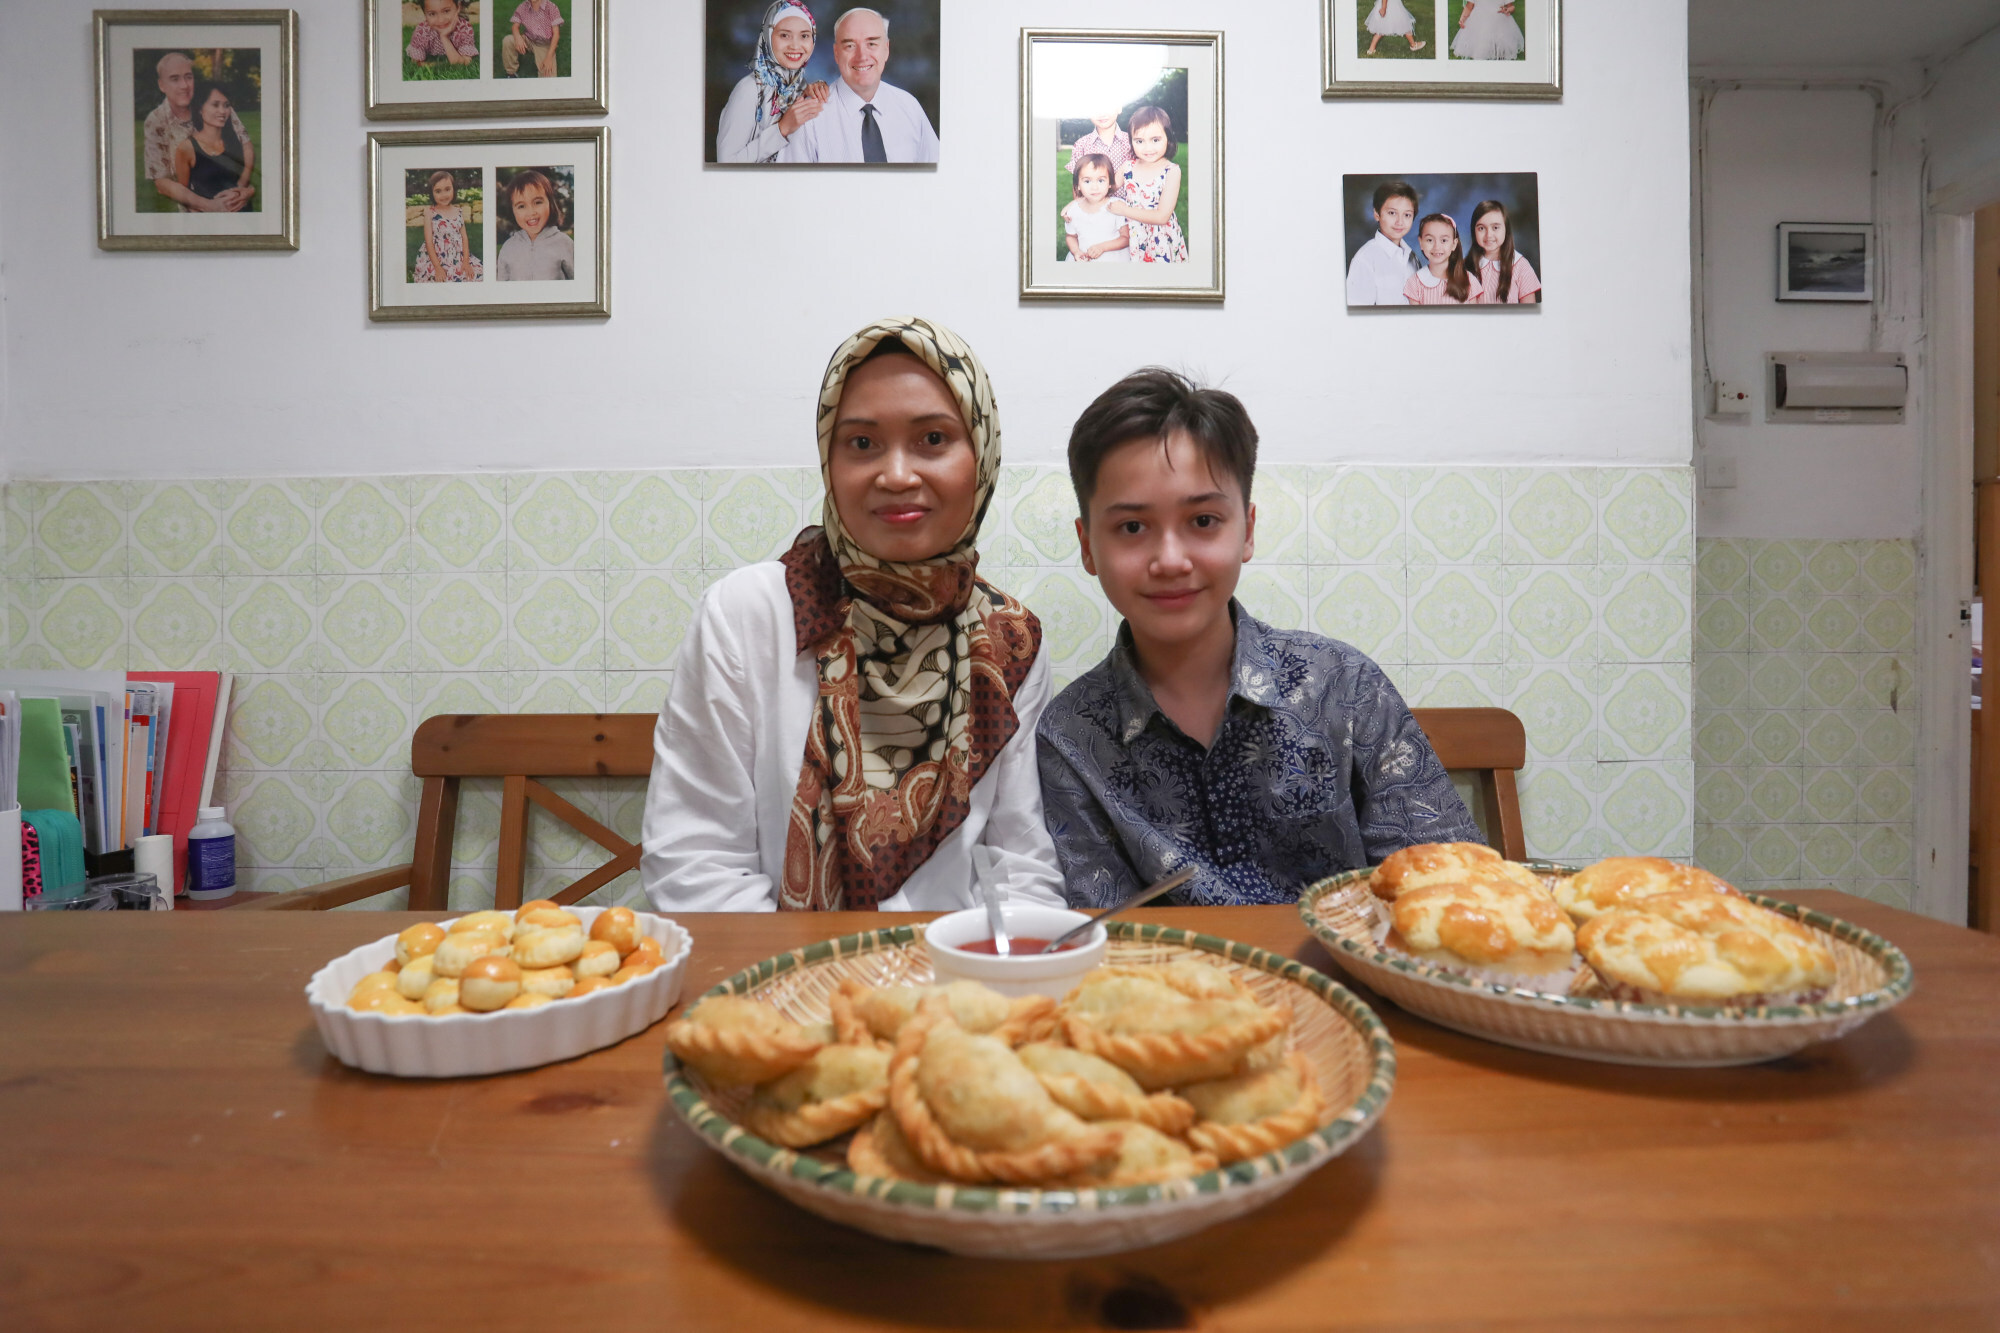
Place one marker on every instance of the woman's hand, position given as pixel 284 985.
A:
pixel 806 108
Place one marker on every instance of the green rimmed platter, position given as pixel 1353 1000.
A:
pixel 1873 977
pixel 1349 1049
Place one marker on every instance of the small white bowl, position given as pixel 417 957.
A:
pixel 1053 975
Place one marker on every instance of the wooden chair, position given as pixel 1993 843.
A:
pixel 1492 743
pixel 520 749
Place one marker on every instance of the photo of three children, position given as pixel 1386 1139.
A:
pixel 1122 187
pixel 1478 237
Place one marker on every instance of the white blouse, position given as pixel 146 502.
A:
pixel 739 135
pixel 726 758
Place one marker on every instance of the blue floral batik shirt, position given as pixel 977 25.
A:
pixel 1318 768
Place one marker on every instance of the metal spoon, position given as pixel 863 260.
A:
pixel 982 871
pixel 1145 895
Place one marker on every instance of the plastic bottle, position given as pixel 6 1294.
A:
pixel 211 861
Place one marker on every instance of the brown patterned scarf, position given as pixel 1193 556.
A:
pixel 918 665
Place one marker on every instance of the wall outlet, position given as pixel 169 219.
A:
pixel 1731 400
pixel 1718 472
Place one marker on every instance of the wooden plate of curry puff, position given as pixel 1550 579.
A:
pixel 1184 1081
pixel 1631 960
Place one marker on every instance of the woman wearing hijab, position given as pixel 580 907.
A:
pixel 769 103
pixel 852 724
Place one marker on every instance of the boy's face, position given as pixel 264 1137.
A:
pixel 1095 182
pixel 1167 538
pixel 1107 124
pixel 1395 217
pixel 531 209
pixel 441 14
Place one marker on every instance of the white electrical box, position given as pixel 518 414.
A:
pixel 1732 402
pixel 1835 388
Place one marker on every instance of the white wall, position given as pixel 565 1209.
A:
pixel 1963 113
pixel 731 287
pixel 1807 156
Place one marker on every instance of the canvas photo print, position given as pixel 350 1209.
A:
pixel 1437 240
pixel 1443 48
pixel 196 130
pixel 435 58
pixel 801 83
pixel 469 224
pixel 1123 191
pixel 1826 261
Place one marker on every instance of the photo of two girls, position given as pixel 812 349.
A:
pixel 1442 240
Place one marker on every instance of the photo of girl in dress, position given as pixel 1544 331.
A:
pixel 443 235
pixel 196 122
pixel 1476 240
pixel 536 224
pixel 1396 29
pixel 1145 159
pixel 1488 30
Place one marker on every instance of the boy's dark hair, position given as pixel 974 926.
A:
pixel 530 179
pixel 1388 190
pixel 1152 404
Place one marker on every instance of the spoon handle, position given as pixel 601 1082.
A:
pixel 1143 896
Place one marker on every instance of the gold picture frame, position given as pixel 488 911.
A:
pixel 592 96
pixel 484 151
pixel 123 38
pixel 1438 76
pixel 1070 74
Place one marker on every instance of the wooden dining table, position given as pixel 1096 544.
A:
pixel 178 1150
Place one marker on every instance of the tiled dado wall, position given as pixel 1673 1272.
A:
pixel 1806 705
pixel 352 608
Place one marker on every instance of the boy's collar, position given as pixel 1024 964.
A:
pixel 1253 674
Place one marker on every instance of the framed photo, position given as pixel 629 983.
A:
pixel 197 129
pixel 782 90
pixel 433 59
pixel 489 224
pixel 1826 261
pixel 1442 48
pixel 1121 165
pixel 1430 241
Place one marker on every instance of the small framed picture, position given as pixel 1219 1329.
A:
pixel 1826 261
pixel 433 59
pixel 489 224
pixel 1442 48
pixel 1431 240
pixel 782 90
pixel 1121 165
pixel 197 129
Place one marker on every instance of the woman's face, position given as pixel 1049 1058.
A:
pixel 1149 144
pixel 1095 182
pixel 1490 232
pixel 792 42
pixel 215 111
pixel 444 191
pixel 1437 240
pixel 902 469
pixel 531 209
pixel 441 14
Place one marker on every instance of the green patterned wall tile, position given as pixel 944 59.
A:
pixel 1722 738
pixel 1284 495
pixel 1828 795
pixel 1550 614
pixel 1362 607
pixel 270 626
pixel 365 523
pixel 1722 622
pixel 1455 515
pixel 270 721
pixel 1891 568
pixel 1775 568
pixel 1884 850
pixel 370 821
pixel 461 622
pixel 1648 809
pixel 1721 680
pixel 458 526
pixel 556 524
pixel 1041 516
pixel 82 533
pixel 1276 594
pixel 268 528
pixel 272 819
pixel 1890 738
pixel 1779 680
pixel 1772 853
pixel 1776 738
pixel 1832 738
pixel 1557 713
pixel 1889 625
pixel 750 519
pixel 1556 808
pixel 82 627
pixel 1722 850
pixel 1722 567
pixel 173 531
pixel 1647 615
pixel 1553 513
pixel 1646 516
pixel 653 522
pixel 1643 713
pixel 1722 789
pixel 178 624
pixel 1453 614
pixel 1773 796
pixel 369 726
pixel 1887 796
pixel 557 619
pixel 649 616
pixel 1357 518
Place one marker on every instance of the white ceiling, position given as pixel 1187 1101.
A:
pixel 1822 33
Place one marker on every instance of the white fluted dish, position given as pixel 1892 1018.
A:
pixel 464 1045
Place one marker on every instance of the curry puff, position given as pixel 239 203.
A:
pixel 1252 1114
pixel 1445 863
pixel 837 1089
pixel 734 1040
pixel 862 1012
pixel 1099 1090
pixel 1493 927
pixel 1703 948
pixel 1622 881
pixel 1160 1035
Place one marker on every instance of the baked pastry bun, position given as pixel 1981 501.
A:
pixel 534 905
pixel 551 982
pixel 1445 863
pixel 489 983
pixel 382 1000
pixel 527 1000
pixel 551 946
pixel 588 986
pixel 1694 947
pixel 544 918
pixel 441 996
pixel 375 981
pixel 618 927
pixel 418 940
pixel 647 948
pixel 1624 880
pixel 461 947
pixel 598 959
pixel 416 976
pixel 499 923
pixel 1485 925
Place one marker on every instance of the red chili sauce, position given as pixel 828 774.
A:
pixel 1018 944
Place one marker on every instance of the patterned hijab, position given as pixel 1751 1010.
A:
pixel 918 666
pixel 782 85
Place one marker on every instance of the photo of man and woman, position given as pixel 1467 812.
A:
pixel 1121 179
pixel 788 86
pixel 196 122
pixel 442 224
pixel 1477 239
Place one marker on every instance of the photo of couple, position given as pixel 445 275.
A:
pixel 1122 178
pixel 783 89
pixel 1475 30
pixel 1477 240
pixel 444 224
pixel 441 39
pixel 197 122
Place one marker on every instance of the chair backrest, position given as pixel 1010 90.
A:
pixel 521 749
pixel 1492 744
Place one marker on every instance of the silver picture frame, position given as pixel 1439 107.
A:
pixel 377 104
pixel 285 133
pixel 596 306
pixel 1033 221
pixel 1826 261
pixel 1337 25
